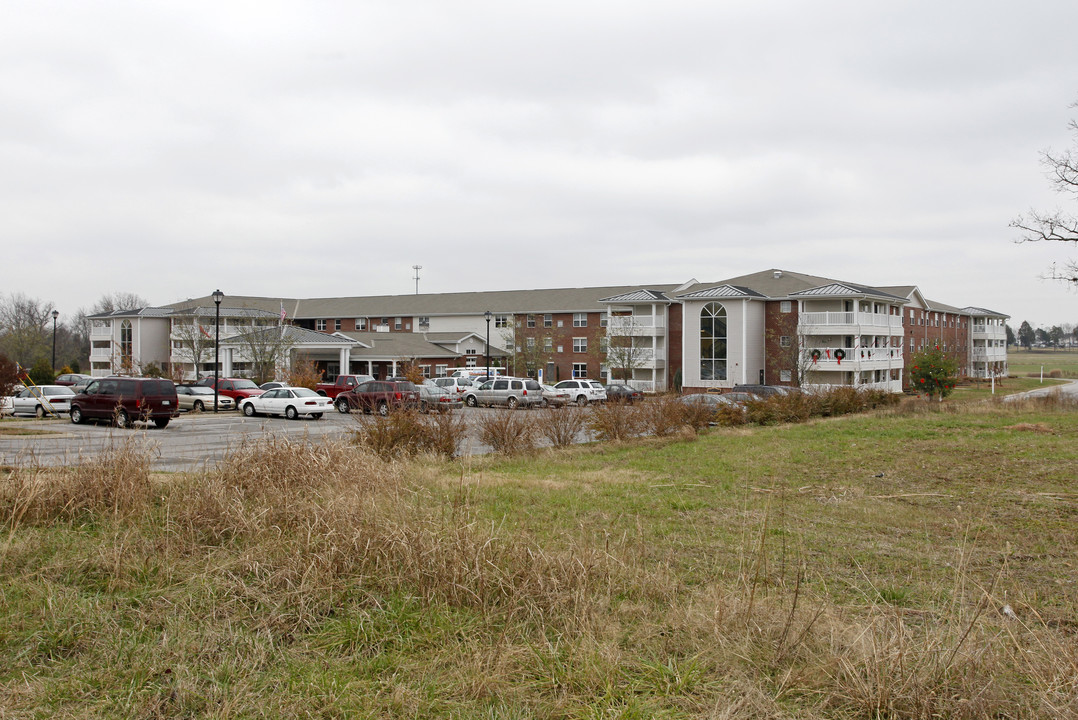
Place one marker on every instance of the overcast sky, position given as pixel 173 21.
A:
pixel 323 148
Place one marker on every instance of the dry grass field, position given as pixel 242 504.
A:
pixel 914 561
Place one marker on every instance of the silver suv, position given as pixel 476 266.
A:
pixel 507 391
pixel 582 391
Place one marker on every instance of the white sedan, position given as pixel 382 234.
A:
pixel 42 400
pixel 288 401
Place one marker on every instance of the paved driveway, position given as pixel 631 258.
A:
pixel 1069 390
pixel 190 441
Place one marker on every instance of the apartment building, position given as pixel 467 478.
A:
pixel 774 327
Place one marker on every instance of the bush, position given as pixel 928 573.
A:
pixel 508 431
pixel 699 416
pixel 615 421
pixel 560 427
pixel 398 434
pixel 444 431
pixel 41 373
pixel 662 415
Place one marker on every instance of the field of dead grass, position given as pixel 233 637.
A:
pixel 912 562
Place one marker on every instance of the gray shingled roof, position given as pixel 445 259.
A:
pixel 295 336
pixel 841 289
pixel 722 291
pixel 977 311
pixel 641 295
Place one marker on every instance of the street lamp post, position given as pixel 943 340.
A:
pixel 55 314
pixel 218 296
pixel 488 315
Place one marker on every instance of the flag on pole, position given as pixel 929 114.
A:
pixel 282 312
pixel 204 332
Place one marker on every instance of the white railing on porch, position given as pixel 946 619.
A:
pixel 869 354
pixel 635 322
pixel 824 319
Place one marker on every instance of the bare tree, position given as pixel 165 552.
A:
pixel 25 328
pixel 625 353
pixel 267 349
pixel 193 336
pixel 530 350
pixel 1062 171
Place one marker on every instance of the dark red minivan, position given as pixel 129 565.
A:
pixel 124 400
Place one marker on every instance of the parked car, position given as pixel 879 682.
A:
pixel 508 391
pixel 42 400
pixel 379 396
pixel 71 379
pixel 273 385
pixel 124 400
pixel 288 401
pixel 199 398
pixel 457 385
pixel 623 393
pixel 342 383
pixel 239 389
pixel 433 396
pixel 552 397
pixel 766 390
pixel 583 391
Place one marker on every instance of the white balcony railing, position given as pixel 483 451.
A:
pixel 100 352
pixel 842 355
pixel 635 324
pixel 990 331
pixel 832 319
pixel 988 354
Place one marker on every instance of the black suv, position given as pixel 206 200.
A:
pixel 124 400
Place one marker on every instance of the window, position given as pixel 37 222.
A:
pixel 580 319
pixel 501 321
pixel 580 344
pixel 530 343
pixel 784 341
pixel 471 351
pixel 425 370
pixel 785 376
pixel 580 370
pixel 337 324
pixel 548 320
pixel 320 325
pixel 424 321
pixel 548 344
pixel 561 348
pixel 441 370
pixel 561 324
pixel 531 321
pixel 125 338
pixel 396 323
pixel 361 323
pixel 713 342
pixel 786 306
pixel 604 320
pixel 469 361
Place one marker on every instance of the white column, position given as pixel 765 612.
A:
pixel 226 362
pixel 346 353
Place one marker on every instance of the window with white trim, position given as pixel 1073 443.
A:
pixel 425 370
pixel 361 323
pixel 548 344
pixel 580 344
pixel 548 320
pixel 337 324
pixel 397 323
pixel 320 325
pixel 784 341
pixel 531 321
pixel 441 370
pixel 580 319
pixel 580 370
pixel 501 321
pixel 786 306
pixel 785 376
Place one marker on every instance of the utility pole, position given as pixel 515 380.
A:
pixel 417 268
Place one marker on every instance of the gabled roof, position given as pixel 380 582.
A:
pixel 640 295
pixel 722 291
pixel 226 312
pixel 982 312
pixel 843 289
pixel 398 345
pixel 155 312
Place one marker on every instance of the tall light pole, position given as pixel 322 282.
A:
pixel 55 314
pixel 218 296
pixel 488 315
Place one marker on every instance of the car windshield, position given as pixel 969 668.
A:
pixel 244 385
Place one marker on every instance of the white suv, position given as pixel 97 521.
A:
pixel 582 391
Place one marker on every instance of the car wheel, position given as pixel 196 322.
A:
pixel 316 416
pixel 383 409
pixel 76 415
pixel 290 413
pixel 40 411
pixel 582 401
pixel 249 409
pixel 198 406
pixel 471 401
pixel 122 419
pixel 161 422
pixel 343 407
pixel 511 403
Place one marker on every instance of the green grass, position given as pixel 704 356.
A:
pixel 1022 362
pixel 842 568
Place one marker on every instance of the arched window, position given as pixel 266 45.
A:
pixel 713 342
pixel 125 338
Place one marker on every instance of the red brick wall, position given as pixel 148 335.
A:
pixel 674 337
pixel 777 358
pixel 563 336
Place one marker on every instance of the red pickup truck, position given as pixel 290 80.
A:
pixel 341 384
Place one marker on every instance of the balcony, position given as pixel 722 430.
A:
pixel 853 322
pixel 842 358
pixel 636 325
pixel 101 353
pixel 979 354
pixel 989 332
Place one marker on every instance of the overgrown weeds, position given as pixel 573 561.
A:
pixel 616 421
pixel 407 433
pixel 560 426
pixel 509 432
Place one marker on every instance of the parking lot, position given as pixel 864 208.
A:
pixel 191 441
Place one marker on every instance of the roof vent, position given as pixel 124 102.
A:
pixel 777 274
